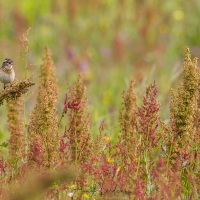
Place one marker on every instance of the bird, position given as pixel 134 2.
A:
pixel 7 73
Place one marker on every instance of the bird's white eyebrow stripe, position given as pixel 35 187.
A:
pixel 8 60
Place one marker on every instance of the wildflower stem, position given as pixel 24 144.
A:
pixel 169 155
pixel 25 128
pixel 60 120
pixel 138 166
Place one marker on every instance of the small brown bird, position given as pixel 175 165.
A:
pixel 7 73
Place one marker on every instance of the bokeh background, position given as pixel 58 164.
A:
pixel 109 41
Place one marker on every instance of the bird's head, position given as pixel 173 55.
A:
pixel 7 64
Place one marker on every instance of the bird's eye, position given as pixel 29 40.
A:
pixel 7 60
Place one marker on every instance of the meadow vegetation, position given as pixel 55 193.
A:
pixel 149 160
pixel 106 102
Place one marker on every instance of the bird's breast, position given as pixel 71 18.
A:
pixel 6 77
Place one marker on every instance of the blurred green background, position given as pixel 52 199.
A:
pixel 109 41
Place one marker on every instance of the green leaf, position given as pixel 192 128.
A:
pixel 1 134
pixel 4 144
pixel 11 160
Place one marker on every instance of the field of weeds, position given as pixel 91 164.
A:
pixel 105 102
